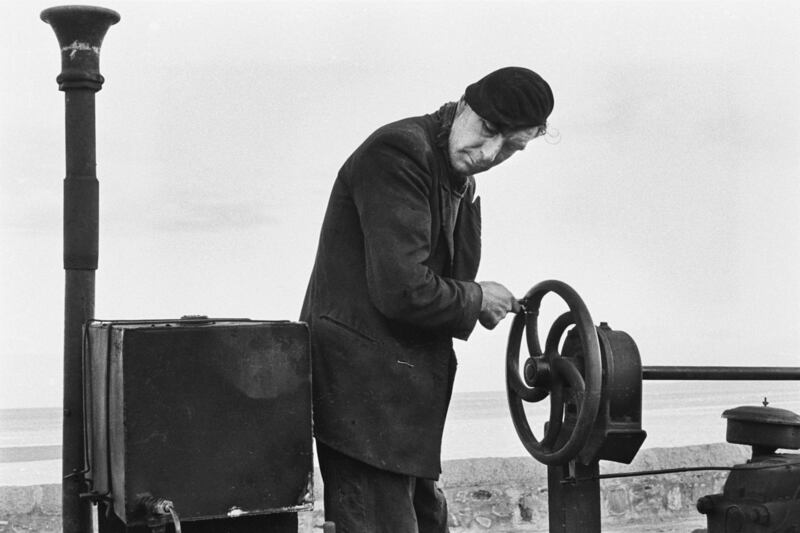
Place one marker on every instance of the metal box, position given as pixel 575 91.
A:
pixel 214 415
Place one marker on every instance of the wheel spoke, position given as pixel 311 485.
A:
pixel 514 381
pixel 557 330
pixel 536 394
pixel 556 417
pixel 570 373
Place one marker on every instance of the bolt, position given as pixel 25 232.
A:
pixel 705 505
pixel 759 515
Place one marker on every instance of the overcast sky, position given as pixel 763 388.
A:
pixel 671 201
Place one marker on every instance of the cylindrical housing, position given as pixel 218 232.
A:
pixel 81 196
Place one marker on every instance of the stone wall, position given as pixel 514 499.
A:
pixel 30 508
pixel 493 494
pixel 510 494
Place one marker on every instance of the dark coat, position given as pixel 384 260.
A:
pixel 391 286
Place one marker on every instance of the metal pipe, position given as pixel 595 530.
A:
pixel 721 373
pixel 80 31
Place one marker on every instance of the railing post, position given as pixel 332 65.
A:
pixel 80 31
pixel 573 497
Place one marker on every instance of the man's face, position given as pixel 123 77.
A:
pixel 476 145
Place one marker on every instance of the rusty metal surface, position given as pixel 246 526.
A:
pixel 214 416
pixel 763 414
pixel 80 31
pixel 573 498
pixel 757 499
pixel 767 428
pixel 617 433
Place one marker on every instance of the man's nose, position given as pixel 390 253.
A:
pixel 491 148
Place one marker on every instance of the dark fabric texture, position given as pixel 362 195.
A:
pixel 511 98
pixel 360 498
pixel 392 284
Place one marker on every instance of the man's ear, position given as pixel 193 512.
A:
pixel 461 105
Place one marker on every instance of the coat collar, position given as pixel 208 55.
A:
pixel 443 122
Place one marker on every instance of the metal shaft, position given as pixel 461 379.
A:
pixel 721 373
pixel 80 31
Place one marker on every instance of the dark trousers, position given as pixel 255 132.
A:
pixel 360 498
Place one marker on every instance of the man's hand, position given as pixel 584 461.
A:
pixel 497 302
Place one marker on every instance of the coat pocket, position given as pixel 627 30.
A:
pixel 348 329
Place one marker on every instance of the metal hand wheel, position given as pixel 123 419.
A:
pixel 550 374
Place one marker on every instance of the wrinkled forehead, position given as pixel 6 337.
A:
pixel 521 137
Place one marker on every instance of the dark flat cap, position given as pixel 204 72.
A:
pixel 511 98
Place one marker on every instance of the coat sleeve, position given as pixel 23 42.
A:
pixel 391 187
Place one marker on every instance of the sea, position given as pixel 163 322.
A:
pixel 674 413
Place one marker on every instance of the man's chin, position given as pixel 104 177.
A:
pixel 462 170
pixel 472 170
pixel 466 167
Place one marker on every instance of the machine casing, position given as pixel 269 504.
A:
pixel 762 495
pixel 214 415
pixel 617 432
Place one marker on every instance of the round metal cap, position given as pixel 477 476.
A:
pixel 769 427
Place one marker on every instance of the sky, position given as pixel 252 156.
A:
pixel 670 198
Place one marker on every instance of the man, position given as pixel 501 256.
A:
pixel 392 284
